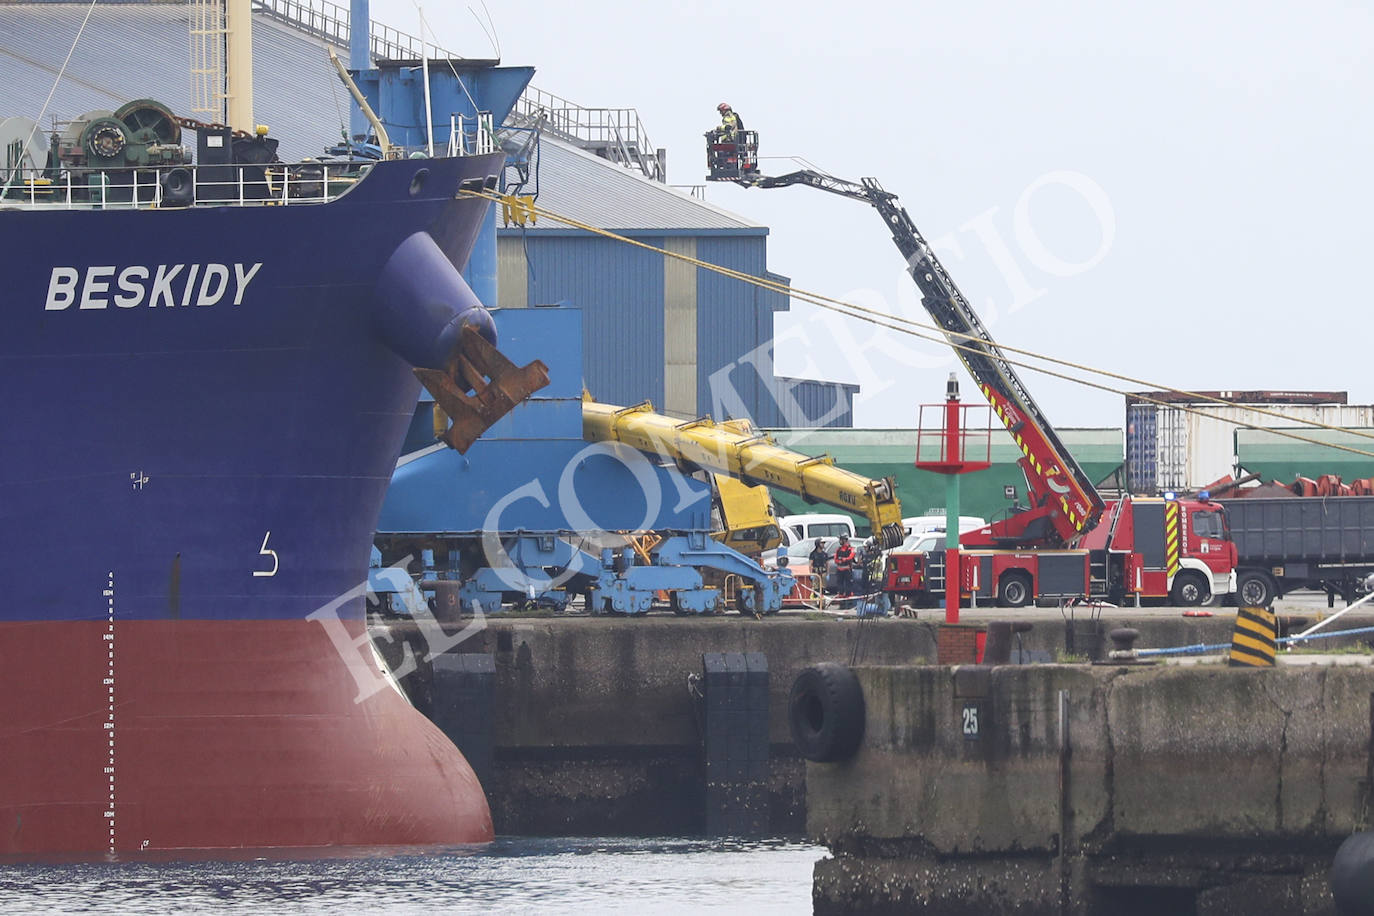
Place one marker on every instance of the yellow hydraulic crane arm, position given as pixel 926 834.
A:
pixel 736 449
pixel 746 516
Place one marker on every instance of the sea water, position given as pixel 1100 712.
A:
pixel 511 875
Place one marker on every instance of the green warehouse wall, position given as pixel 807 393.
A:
pixel 891 452
pixel 1281 458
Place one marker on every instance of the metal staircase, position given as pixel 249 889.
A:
pixel 1105 561
pixel 615 134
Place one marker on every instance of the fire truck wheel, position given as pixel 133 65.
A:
pixel 1189 590
pixel 1014 590
pixel 1254 590
pixel 826 712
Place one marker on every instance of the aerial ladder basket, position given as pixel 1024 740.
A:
pixel 732 156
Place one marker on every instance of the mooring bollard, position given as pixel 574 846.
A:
pixel 1123 644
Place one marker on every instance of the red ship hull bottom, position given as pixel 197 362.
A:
pixel 185 734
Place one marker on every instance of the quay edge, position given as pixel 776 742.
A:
pixel 1203 789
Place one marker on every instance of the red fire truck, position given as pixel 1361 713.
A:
pixel 1175 549
pixel 1069 543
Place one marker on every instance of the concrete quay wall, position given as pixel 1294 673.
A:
pixel 598 731
pixel 595 729
pixel 1089 789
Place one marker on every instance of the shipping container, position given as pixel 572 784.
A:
pixel 1180 448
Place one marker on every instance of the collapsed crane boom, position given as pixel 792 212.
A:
pixel 1064 503
pixel 736 449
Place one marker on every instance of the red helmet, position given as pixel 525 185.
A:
pixel 723 106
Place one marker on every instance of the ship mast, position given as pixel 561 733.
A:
pixel 238 60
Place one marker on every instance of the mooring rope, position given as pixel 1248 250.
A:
pixel 951 338
pixel 1204 648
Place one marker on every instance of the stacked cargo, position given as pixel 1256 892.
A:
pixel 1177 443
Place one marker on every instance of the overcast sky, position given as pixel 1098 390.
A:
pixel 1182 193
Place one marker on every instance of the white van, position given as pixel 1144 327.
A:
pixel 919 524
pixel 817 525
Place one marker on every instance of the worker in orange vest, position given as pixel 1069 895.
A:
pixel 844 567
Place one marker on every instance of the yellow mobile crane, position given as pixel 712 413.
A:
pixel 746 516
pixel 735 449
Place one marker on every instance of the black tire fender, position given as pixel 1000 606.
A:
pixel 1352 875
pixel 826 712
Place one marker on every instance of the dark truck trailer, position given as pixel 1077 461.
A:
pixel 1282 544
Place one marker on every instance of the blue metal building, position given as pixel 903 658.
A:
pixel 690 340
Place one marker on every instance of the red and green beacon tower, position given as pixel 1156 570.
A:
pixel 952 445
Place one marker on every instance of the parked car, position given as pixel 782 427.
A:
pixel 817 524
pixel 923 541
pixel 918 524
pixel 769 558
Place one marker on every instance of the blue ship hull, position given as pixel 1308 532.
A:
pixel 203 410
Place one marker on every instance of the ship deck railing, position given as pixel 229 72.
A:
pixel 179 186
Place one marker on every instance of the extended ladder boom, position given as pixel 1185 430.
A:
pixel 1065 504
pixel 734 448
